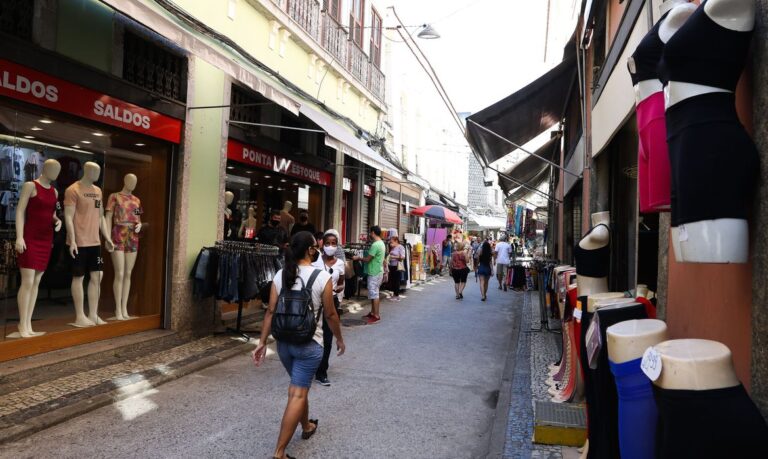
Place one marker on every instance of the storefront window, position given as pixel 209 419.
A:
pixel 42 297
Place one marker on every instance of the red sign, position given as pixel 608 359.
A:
pixel 253 156
pixel 25 84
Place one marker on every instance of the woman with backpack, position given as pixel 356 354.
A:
pixel 295 322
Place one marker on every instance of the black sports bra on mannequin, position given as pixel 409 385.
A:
pixel 706 53
pixel 647 55
pixel 595 262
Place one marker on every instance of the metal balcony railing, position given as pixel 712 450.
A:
pixel 334 37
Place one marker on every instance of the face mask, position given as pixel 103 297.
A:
pixel 303 218
pixel 315 256
pixel 329 250
pixel 274 222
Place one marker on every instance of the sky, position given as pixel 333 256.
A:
pixel 488 49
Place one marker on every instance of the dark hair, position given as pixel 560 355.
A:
pixel 318 235
pixel 485 253
pixel 297 248
pixel 274 212
pixel 375 229
pixel 303 212
pixel 448 237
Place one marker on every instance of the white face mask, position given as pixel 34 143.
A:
pixel 329 250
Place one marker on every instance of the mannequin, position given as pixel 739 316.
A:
pixel 286 219
pixel 627 341
pixel 229 198
pixel 598 238
pixel 124 224
pixel 248 227
pixel 37 201
pixel 695 364
pixel 84 219
pixel 711 239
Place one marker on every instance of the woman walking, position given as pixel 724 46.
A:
pixel 396 256
pixel 459 270
pixel 300 360
pixel 484 271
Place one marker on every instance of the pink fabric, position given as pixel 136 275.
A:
pixel 654 175
pixel 642 184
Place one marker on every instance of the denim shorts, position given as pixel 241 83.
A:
pixel 300 361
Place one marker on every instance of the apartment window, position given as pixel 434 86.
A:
pixel 154 68
pixel 16 18
pixel 375 38
pixel 333 9
pixel 243 106
pixel 356 21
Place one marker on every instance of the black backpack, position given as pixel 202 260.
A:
pixel 294 320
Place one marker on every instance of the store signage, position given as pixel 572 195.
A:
pixel 27 85
pixel 368 191
pixel 347 184
pixel 242 153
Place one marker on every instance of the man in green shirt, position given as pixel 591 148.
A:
pixel 375 270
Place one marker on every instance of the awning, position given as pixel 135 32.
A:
pixel 523 115
pixel 576 165
pixel 535 182
pixel 340 138
pixel 526 170
pixel 485 222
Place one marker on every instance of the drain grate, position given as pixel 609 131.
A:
pixel 560 415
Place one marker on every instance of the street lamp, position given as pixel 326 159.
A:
pixel 428 33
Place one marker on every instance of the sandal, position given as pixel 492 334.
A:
pixel 308 435
pixel 286 455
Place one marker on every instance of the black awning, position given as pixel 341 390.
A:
pixel 528 169
pixel 523 115
pixel 535 182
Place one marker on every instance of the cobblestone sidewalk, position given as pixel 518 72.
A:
pixel 25 404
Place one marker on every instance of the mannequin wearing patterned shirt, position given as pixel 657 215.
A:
pixel 124 222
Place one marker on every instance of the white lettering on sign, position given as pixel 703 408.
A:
pixel 120 114
pixel 23 85
pixel 281 165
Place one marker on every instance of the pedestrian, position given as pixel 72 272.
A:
pixel 330 263
pixel 300 360
pixel 474 253
pixel 375 270
pixel 502 254
pixel 273 233
pixel 484 268
pixel 304 224
pixel 396 260
pixel 459 270
pixel 447 250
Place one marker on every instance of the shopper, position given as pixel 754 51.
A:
pixel 502 254
pixel 375 271
pixel 396 257
pixel 304 224
pixel 300 360
pixel 335 267
pixel 447 250
pixel 459 270
pixel 272 233
pixel 484 268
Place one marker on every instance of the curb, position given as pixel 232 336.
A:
pixel 66 413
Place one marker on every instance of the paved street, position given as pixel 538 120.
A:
pixel 422 383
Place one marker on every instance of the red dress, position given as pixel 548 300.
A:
pixel 38 229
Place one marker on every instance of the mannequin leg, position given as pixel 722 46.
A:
pixel 94 291
pixel 32 301
pixel 130 262
pixel 118 262
pixel 22 298
pixel 78 296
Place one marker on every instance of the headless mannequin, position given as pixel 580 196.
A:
pixel 249 223
pixel 91 173
pixel 599 237
pixel 123 261
pixel 286 219
pixel 628 340
pixel 30 278
pixel 723 240
pixel 695 364
pixel 229 198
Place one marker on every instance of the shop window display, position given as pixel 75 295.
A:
pixel 65 180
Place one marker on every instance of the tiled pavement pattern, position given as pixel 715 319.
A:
pixel 27 403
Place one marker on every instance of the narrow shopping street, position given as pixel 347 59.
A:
pixel 422 383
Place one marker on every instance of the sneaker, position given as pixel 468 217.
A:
pixel 368 316
pixel 373 320
pixel 323 381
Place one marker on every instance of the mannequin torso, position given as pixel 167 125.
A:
pixel 598 238
pixel 628 340
pixel 695 364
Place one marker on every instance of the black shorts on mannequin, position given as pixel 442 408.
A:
pixel 87 260
pixel 709 424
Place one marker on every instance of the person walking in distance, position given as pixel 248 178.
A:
pixel 330 263
pixel 375 270
pixel 396 256
pixel 447 249
pixel 459 270
pixel 300 359
pixel 502 254
pixel 484 268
